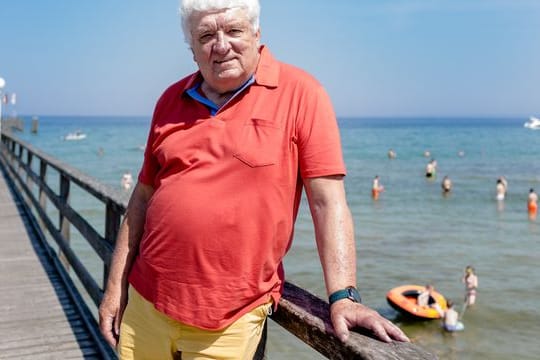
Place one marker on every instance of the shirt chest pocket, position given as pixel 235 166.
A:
pixel 259 143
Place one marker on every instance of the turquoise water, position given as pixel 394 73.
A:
pixel 411 234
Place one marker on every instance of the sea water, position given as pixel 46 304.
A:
pixel 412 234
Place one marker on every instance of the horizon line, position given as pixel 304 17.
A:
pixel 337 116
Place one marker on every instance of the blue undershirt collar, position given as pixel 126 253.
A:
pixel 214 108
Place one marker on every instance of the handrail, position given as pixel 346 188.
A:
pixel 301 313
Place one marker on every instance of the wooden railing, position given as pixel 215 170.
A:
pixel 299 312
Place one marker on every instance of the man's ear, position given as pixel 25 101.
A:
pixel 258 36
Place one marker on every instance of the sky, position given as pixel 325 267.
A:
pixel 374 57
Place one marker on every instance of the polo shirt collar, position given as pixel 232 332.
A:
pixel 267 73
pixel 193 80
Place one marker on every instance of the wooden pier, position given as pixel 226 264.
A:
pixel 41 315
pixel 10 124
pixel 46 316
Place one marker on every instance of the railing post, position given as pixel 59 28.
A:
pixel 63 222
pixel 13 146
pixel 42 195
pixel 29 159
pixel 113 216
pixel 19 156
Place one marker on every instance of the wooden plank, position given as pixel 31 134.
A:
pixel 23 301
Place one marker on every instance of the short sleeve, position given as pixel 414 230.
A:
pixel 318 138
pixel 150 165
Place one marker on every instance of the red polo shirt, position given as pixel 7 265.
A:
pixel 227 190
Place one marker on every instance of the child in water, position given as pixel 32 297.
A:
pixel 451 318
pixel 471 284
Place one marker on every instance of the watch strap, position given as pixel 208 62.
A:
pixel 349 292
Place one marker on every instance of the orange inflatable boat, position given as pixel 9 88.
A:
pixel 404 299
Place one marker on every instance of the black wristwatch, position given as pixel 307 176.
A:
pixel 348 293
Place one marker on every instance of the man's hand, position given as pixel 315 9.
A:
pixel 111 310
pixel 130 233
pixel 346 315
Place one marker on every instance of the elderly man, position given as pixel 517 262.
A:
pixel 212 215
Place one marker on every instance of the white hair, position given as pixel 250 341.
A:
pixel 188 7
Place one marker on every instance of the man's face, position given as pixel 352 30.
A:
pixel 224 47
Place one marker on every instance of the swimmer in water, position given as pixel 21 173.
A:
pixel 501 190
pixel 376 188
pixel 451 318
pixel 431 169
pixel 446 184
pixel 505 183
pixel 532 202
pixel 471 284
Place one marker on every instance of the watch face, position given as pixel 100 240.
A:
pixel 353 294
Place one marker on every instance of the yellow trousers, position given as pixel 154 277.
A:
pixel 148 334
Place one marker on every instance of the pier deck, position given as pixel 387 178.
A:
pixel 38 317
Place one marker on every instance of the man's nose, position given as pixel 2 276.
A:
pixel 222 44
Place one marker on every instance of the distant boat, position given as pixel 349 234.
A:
pixel 77 135
pixel 533 123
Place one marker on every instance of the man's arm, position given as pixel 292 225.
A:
pixel 127 244
pixel 334 232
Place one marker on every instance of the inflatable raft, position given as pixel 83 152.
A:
pixel 404 299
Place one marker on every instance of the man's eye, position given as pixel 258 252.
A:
pixel 236 32
pixel 206 37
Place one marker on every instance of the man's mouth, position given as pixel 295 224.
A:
pixel 223 61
